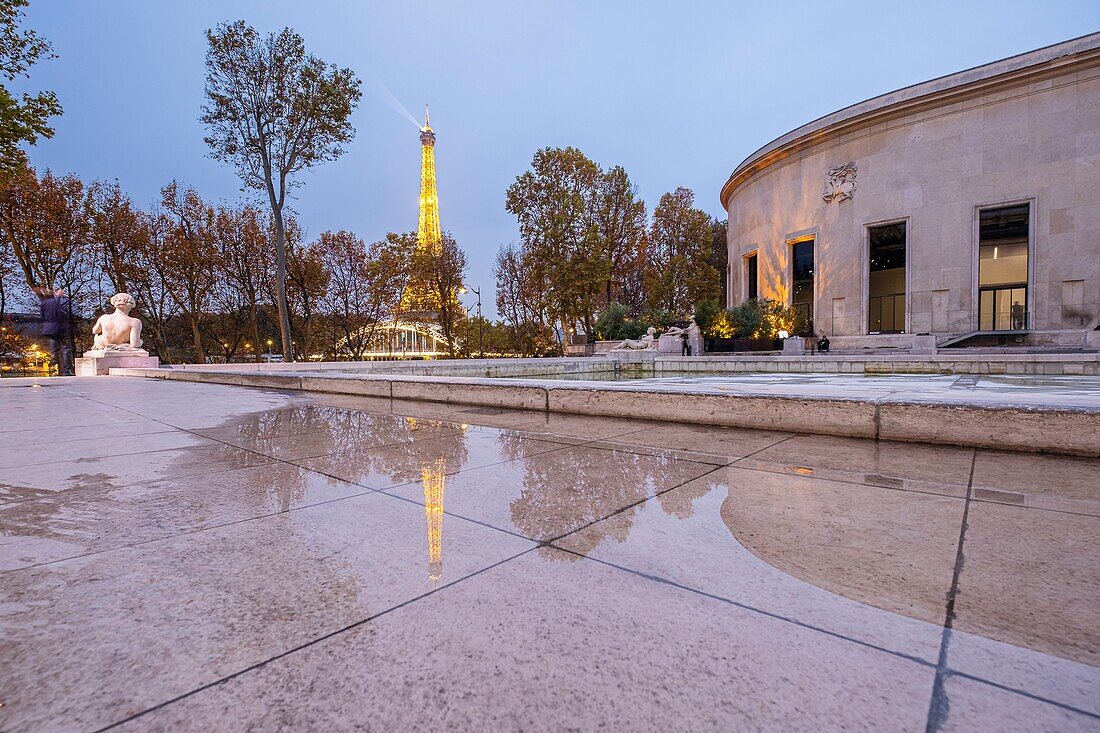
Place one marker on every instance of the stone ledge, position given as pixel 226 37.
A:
pixel 981 424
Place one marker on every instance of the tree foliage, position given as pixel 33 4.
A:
pixel 681 270
pixel 273 110
pixel 588 259
pixel 22 120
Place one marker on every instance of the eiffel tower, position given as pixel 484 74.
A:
pixel 428 233
pixel 419 303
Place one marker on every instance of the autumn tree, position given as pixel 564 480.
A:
pixel 148 273
pixel 443 272
pixel 21 120
pixel 191 257
pixel 520 298
pixel 274 110
pixel 306 284
pixel 242 243
pixel 552 203
pixel 44 222
pixel 365 284
pixel 681 272
pixel 620 219
pixel 719 257
pixel 116 229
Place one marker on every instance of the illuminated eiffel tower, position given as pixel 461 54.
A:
pixel 428 234
pixel 419 303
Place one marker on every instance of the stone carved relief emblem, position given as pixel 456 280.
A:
pixel 840 183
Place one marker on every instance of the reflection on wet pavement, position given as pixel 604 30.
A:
pixel 218 546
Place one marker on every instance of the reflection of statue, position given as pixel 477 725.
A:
pixel 118 331
pixel 644 343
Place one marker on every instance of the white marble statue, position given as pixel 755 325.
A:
pixel 685 341
pixel 691 330
pixel 645 343
pixel 118 331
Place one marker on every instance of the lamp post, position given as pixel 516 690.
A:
pixel 480 325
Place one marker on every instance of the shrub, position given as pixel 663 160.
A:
pixel 614 324
pixel 763 319
pixel 708 316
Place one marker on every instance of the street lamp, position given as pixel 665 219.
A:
pixel 480 324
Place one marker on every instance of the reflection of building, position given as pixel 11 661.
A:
pixel 433 479
pixel 968 205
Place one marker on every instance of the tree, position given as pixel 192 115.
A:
pixel 307 282
pixel 620 226
pixel 446 271
pixel 148 273
pixel 274 110
pixel 45 224
pixel 116 228
pixel 21 121
pixel 365 284
pixel 242 242
pixel 553 204
pixel 521 299
pixel 719 256
pixel 681 272
pixel 191 257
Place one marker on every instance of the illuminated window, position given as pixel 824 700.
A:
pixel 886 278
pixel 802 282
pixel 1002 268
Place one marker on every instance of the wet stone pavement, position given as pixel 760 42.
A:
pixel 179 556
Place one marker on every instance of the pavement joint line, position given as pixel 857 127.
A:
pixel 113 455
pixel 312 642
pixel 753 609
pixel 631 505
pixel 787 619
pixel 192 531
pixel 12 433
pixel 1023 693
pixel 938 704
pixel 1034 508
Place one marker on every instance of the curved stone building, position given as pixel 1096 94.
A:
pixel 967 207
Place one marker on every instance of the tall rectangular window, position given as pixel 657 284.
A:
pixel 802 282
pixel 1002 268
pixel 751 274
pixel 886 279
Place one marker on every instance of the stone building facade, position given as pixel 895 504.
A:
pixel 969 204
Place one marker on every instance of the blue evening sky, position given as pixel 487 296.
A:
pixel 676 92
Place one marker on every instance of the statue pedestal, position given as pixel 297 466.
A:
pixel 633 356
pixel 100 361
pixel 669 344
pixel 794 346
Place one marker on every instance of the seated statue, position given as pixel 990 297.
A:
pixel 644 343
pixel 118 331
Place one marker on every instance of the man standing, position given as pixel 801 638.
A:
pixel 56 319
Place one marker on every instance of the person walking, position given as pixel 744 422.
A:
pixel 56 308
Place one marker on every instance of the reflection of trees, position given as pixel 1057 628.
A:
pixel 572 488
